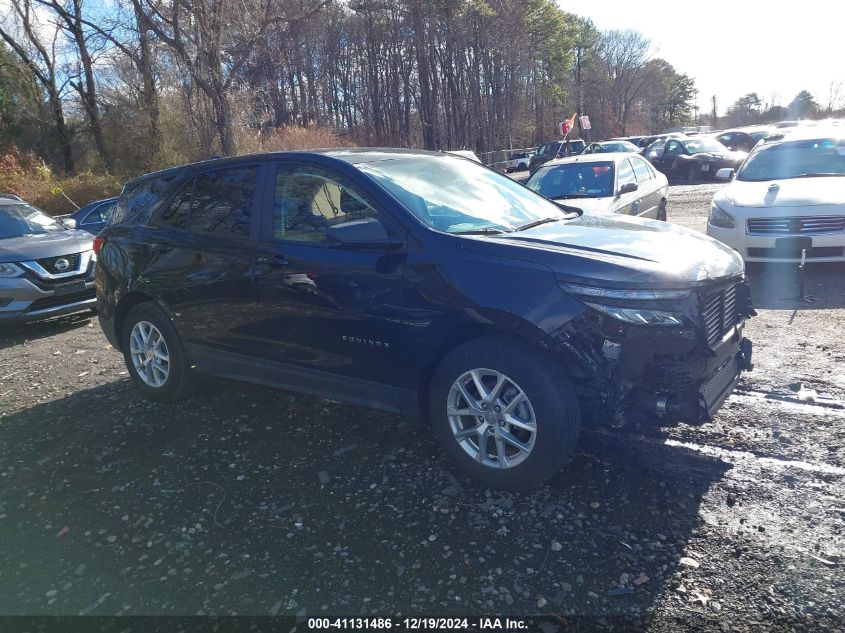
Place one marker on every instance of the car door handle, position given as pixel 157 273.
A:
pixel 275 260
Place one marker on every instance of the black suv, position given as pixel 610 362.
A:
pixel 425 284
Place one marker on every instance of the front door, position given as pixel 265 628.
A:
pixel 332 312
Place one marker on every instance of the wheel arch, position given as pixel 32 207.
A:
pixel 126 303
pixel 514 329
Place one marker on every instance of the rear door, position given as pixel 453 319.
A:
pixel 647 190
pixel 201 262
pixel 332 313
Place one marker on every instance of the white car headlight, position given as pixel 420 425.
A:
pixel 10 270
pixel 719 217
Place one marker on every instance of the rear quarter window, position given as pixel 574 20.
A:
pixel 138 201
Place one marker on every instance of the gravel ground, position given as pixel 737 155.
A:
pixel 246 500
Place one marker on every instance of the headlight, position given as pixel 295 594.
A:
pixel 10 270
pixel 617 303
pixel 639 316
pixel 619 293
pixel 720 218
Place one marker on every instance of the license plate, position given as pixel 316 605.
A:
pixel 705 167
pixel 69 288
pixel 793 245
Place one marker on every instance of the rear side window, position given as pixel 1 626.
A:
pixel 219 202
pixel 223 200
pixel 139 201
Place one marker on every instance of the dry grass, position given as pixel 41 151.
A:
pixel 24 175
pixel 293 137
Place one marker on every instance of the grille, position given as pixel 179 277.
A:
pixel 720 381
pixel 61 300
pixel 719 313
pixel 807 225
pixel 49 263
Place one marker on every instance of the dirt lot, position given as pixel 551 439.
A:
pixel 246 500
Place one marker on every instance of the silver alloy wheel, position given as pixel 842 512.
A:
pixel 491 418
pixel 149 353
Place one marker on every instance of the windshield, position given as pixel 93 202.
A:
pixel 795 159
pixel 574 180
pixel 457 196
pixel 17 220
pixel 700 145
pixel 616 147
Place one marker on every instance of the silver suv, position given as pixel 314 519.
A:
pixel 46 266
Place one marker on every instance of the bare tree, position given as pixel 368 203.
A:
pixel 36 44
pixel 214 38
pixel 625 54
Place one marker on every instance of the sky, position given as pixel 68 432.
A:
pixel 733 47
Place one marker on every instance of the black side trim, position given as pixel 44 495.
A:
pixel 225 364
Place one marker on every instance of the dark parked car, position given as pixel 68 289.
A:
pixel 693 159
pixel 94 215
pixel 436 287
pixel 737 140
pixel 556 149
pixel 46 267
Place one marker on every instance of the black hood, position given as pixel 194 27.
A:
pixel 620 252
pixel 30 247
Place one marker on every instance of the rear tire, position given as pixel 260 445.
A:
pixel 154 354
pixel 521 429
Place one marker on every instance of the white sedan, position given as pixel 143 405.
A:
pixel 604 183
pixel 787 201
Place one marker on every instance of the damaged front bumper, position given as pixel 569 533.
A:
pixel 627 372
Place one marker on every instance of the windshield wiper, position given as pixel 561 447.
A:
pixel 531 225
pixel 576 195
pixel 823 174
pixel 483 231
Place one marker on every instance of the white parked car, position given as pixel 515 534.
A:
pixel 519 161
pixel 788 197
pixel 604 183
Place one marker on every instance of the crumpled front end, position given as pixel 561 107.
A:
pixel 670 373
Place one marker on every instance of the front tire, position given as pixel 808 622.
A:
pixel 154 354
pixel 661 210
pixel 506 415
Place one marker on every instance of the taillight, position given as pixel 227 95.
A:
pixel 98 244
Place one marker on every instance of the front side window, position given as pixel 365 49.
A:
pixel 17 220
pixel 673 148
pixel 457 196
pixel 625 174
pixel 641 170
pixel 308 200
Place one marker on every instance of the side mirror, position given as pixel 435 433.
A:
pixel 68 222
pixel 628 187
pixel 726 173
pixel 360 233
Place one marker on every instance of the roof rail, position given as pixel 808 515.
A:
pixel 10 196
